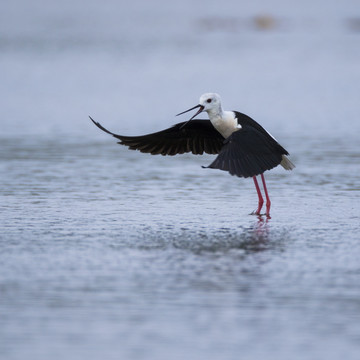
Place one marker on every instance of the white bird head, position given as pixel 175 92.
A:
pixel 209 102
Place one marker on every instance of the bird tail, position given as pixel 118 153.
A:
pixel 286 163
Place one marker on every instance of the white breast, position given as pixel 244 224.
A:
pixel 226 123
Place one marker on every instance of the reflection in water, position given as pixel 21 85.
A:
pixel 257 237
pixel 260 231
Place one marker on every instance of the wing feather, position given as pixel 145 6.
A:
pixel 198 136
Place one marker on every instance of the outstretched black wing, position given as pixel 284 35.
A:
pixel 248 152
pixel 198 136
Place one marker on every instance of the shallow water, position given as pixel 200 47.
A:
pixel 111 253
pixel 163 258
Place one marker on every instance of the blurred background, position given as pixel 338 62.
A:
pixel 293 66
pixel 112 254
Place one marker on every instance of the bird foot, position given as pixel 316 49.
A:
pixel 260 215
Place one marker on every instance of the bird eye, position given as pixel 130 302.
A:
pixel 208 100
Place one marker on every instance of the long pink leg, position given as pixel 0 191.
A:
pixel 268 202
pixel 261 200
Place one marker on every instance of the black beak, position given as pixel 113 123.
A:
pixel 201 108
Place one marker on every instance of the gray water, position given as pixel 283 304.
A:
pixel 110 253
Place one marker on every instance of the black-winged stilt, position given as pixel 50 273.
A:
pixel 244 147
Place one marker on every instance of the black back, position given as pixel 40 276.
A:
pixel 249 151
pixel 247 123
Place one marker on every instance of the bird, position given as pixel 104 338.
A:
pixel 243 147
